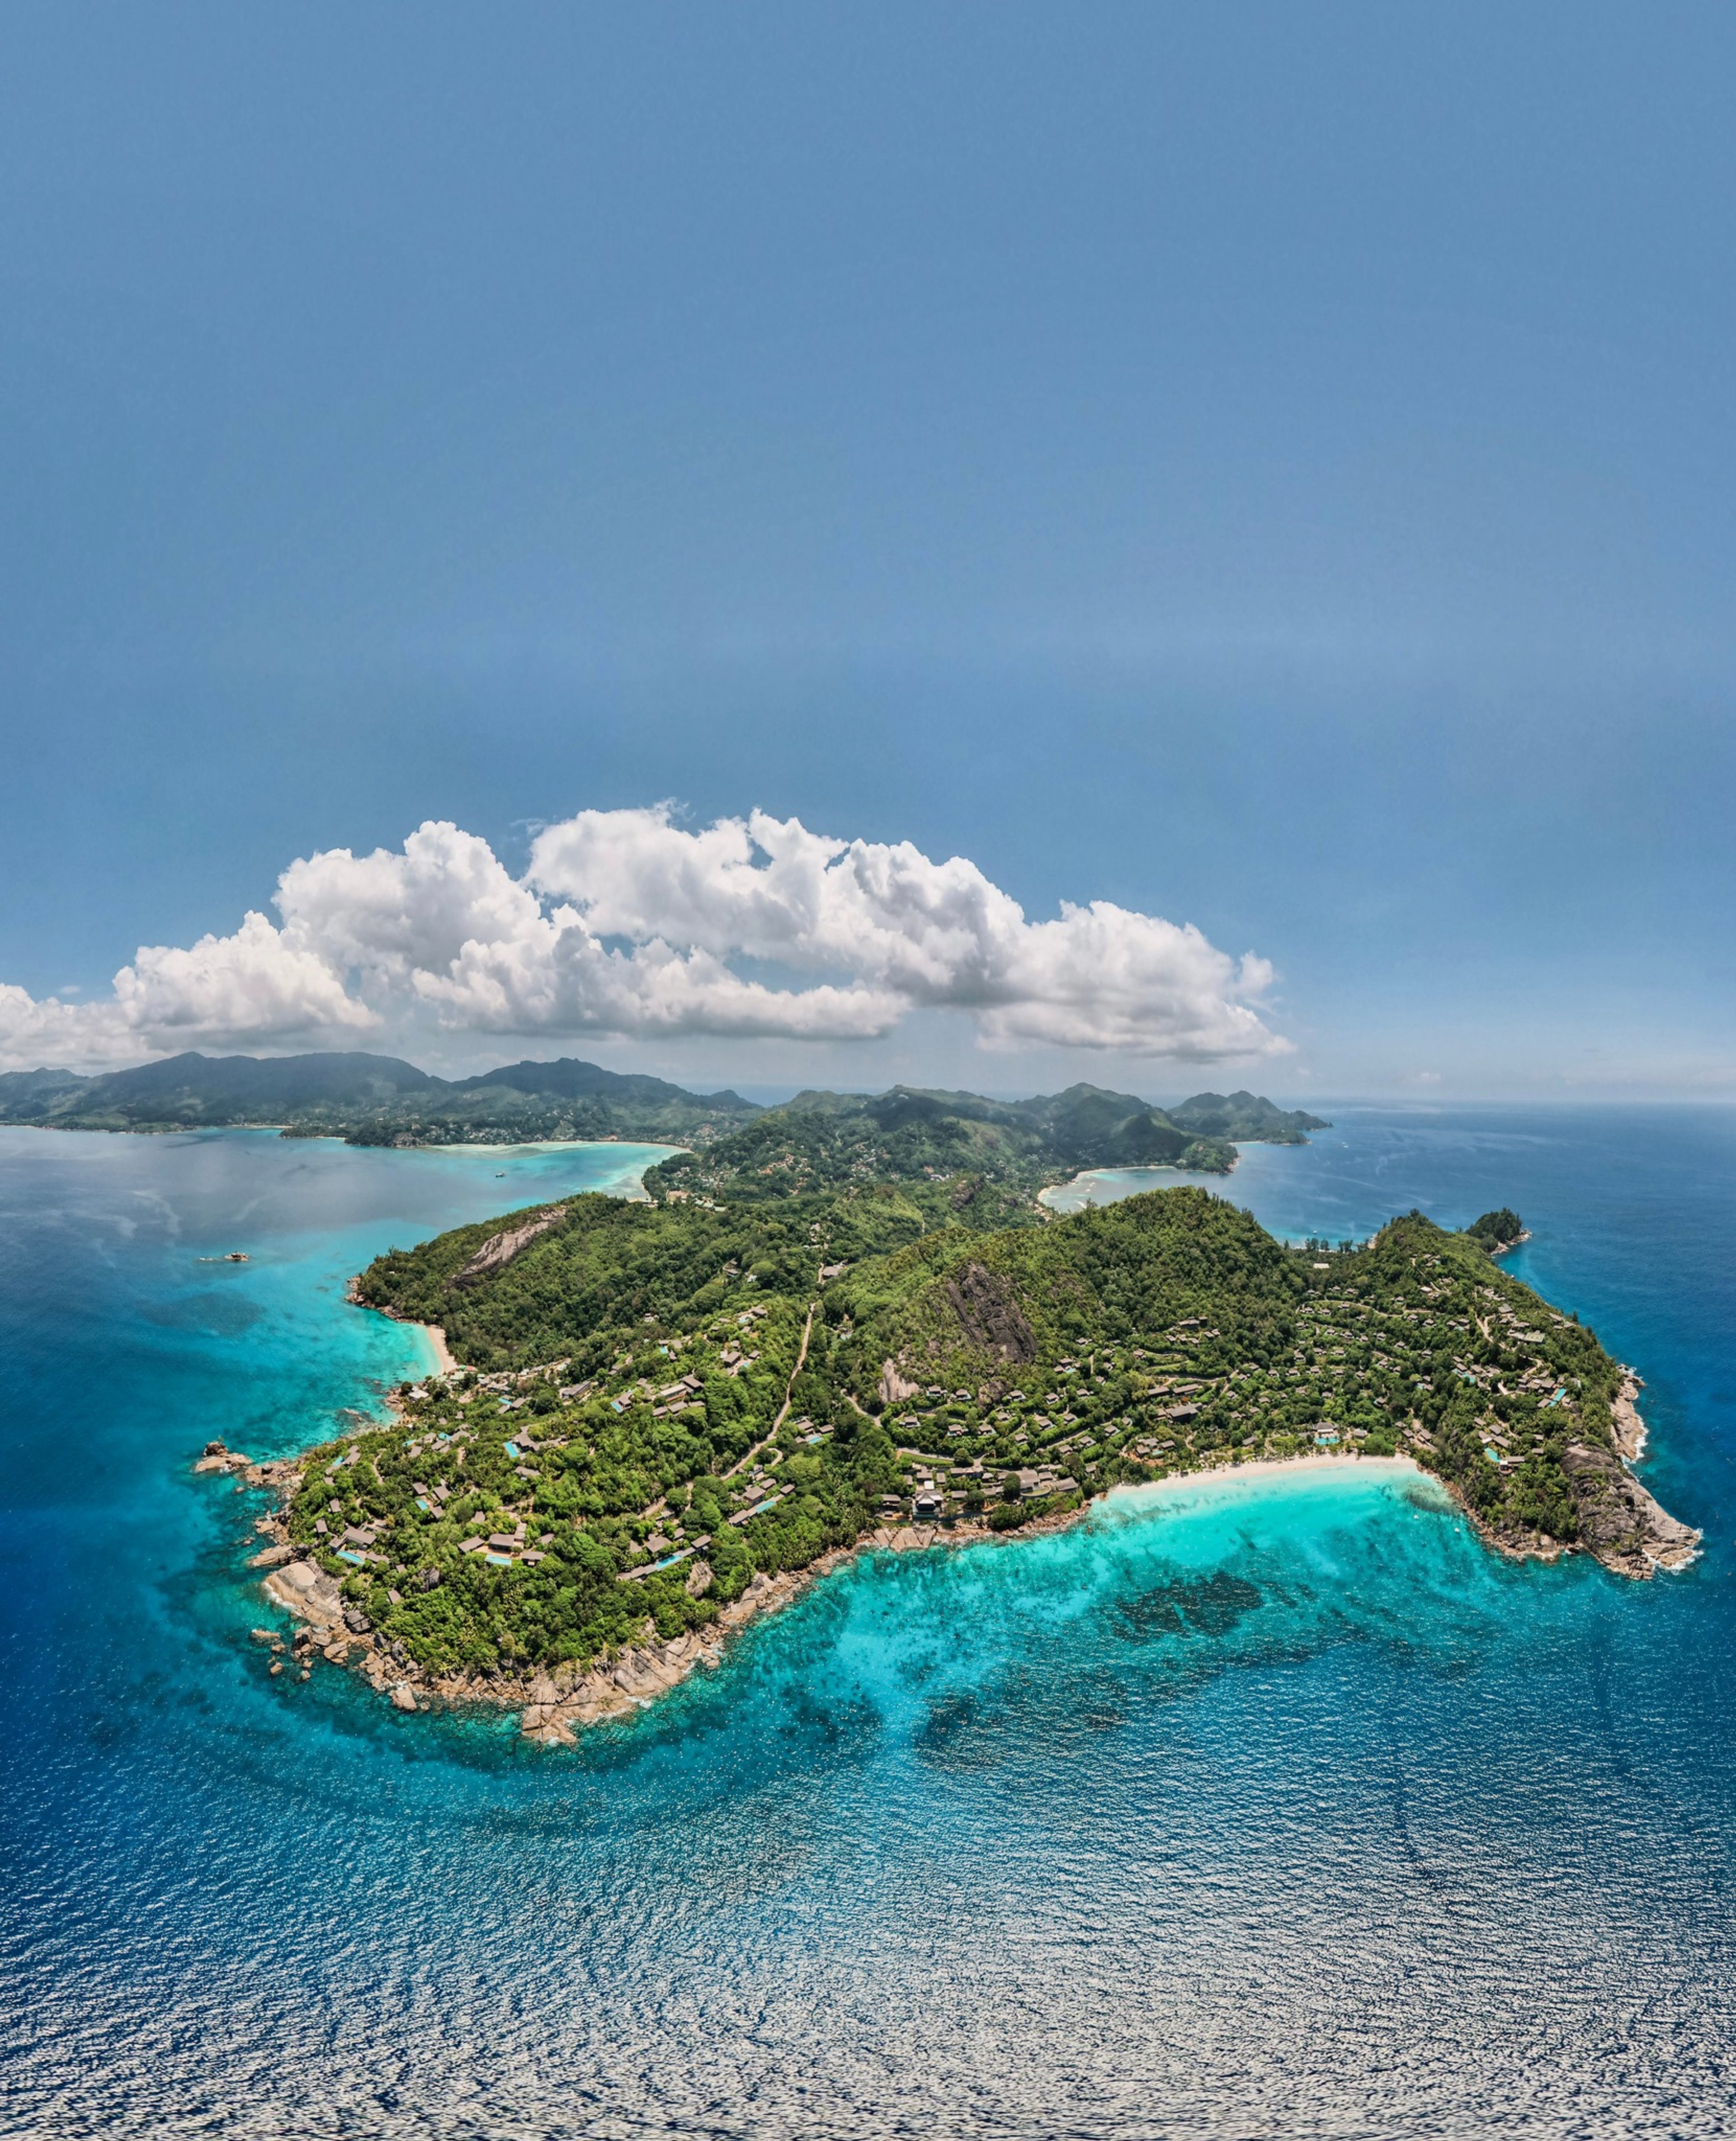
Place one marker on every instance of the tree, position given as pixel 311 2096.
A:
pixel 1497 1229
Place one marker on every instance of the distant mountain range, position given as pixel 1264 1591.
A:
pixel 908 1132
pixel 991 1151
pixel 371 1100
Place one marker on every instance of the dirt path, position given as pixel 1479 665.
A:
pixel 770 1433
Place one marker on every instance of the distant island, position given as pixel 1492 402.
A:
pixel 371 1100
pixel 380 1100
pixel 656 1418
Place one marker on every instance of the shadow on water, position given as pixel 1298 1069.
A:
pixel 1189 1606
pixel 1436 1880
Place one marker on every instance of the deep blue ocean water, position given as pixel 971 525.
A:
pixel 1251 1807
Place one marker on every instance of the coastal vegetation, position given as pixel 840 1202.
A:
pixel 980 1147
pixel 657 1404
pixel 816 1139
pixel 1496 1231
pixel 373 1100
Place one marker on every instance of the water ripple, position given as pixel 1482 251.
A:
pixel 1230 1815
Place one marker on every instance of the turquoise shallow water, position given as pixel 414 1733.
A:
pixel 1249 1807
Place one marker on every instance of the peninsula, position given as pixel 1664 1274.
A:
pixel 664 1414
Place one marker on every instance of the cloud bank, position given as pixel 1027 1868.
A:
pixel 625 924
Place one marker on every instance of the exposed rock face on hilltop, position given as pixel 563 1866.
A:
pixel 895 1389
pixel 989 1314
pixel 498 1252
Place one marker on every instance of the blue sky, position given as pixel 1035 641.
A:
pixel 1268 468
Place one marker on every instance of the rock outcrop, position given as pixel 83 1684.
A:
pixel 989 1314
pixel 559 1705
pixel 301 1589
pixel 499 1251
pixel 1619 1521
pixel 894 1388
pixel 1629 1428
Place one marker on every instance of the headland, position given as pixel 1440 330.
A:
pixel 656 1418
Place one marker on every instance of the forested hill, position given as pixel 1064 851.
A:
pixel 990 1155
pixel 1244 1117
pixel 374 1099
pixel 817 1139
pixel 659 1400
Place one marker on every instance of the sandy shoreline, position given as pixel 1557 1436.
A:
pixel 444 1363
pixel 613 1692
pixel 433 1333
pixel 553 1144
pixel 1190 1177
pixel 1312 1460
pixel 554 1707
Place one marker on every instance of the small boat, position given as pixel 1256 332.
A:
pixel 236 1257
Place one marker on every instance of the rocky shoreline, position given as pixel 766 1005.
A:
pixel 1628 1529
pixel 556 1706
pixel 1630 1533
pixel 1622 1525
pixel 553 1705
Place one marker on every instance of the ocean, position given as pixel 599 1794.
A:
pixel 1251 1807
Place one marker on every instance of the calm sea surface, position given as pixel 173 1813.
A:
pixel 1252 1808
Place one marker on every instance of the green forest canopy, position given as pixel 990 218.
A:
pixel 632 1430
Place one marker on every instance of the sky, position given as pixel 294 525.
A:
pixel 1202 536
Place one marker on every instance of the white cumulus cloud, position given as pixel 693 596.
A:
pixel 625 923
pixel 257 986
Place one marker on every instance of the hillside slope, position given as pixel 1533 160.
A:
pixel 659 1404
pixel 1008 1148
pixel 994 1154
pixel 373 1100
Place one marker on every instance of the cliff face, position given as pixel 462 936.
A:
pixel 988 1315
pixel 1619 1521
pixel 498 1252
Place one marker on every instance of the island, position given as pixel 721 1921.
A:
pixel 658 1417
pixel 372 1100
pixel 381 1100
